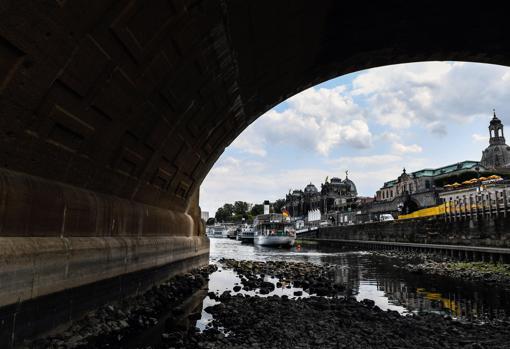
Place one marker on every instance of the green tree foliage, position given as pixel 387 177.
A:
pixel 278 205
pixel 239 212
pixel 256 210
pixel 224 214
pixel 241 208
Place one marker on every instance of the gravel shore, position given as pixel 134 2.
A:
pixel 330 318
pixel 114 325
pixel 421 263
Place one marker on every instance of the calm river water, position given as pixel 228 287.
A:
pixel 372 277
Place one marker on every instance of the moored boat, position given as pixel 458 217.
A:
pixel 217 231
pixel 246 234
pixel 273 229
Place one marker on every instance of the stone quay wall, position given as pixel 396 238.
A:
pixel 487 232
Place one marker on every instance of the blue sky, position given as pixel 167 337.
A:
pixel 372 123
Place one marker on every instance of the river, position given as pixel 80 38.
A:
pixel 372 277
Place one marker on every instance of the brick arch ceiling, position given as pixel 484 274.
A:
pixel 139 98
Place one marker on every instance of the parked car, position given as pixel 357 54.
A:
pixel 386 217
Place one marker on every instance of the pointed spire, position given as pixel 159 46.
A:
pixel 494 112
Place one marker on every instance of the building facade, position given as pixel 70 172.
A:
pixel 497 154
pixel 335 195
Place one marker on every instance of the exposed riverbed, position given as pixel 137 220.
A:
pixel 384 280
pixel 307 296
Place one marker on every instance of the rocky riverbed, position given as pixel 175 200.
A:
pixel 249 314
pixel 422 263
pixel 318 322
pixel 116 325
pixel 335 321
pixel 317 279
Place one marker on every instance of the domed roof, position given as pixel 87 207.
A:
pixel 310 188
pixel 351 186
pixel 496 156
pixel 335 180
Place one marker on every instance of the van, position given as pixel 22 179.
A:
pixel 386 217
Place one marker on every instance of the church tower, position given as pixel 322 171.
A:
pixel 497 154
pixel 496 131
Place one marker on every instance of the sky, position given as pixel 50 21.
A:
pixel 372 123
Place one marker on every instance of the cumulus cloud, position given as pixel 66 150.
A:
pixel 234 179
pixel 250 142
pixel 411 148
pixel 317 120
pixel 432 94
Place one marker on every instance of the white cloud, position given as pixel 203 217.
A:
pixel 411 148
pixel 480 138
pixel 234 179
pixel 371 160
pixel 432 95
pixel 251 143
pixel 317 120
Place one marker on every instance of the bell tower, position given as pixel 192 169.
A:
pixel 497 154
pixel 496 131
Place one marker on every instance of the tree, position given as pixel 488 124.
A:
pixel 257 209
pixel 278 205
pixel 211 221
pixel 224 214
pixel 240 208
pixel 221 215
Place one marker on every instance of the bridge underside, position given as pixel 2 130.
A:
pixel 112 112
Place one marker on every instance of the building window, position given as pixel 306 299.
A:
pixel 427 184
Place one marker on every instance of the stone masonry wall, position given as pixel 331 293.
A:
pixel 490 232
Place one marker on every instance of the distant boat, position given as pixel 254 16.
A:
pixel 246 234
pixel 231 233
pixel 273 229
pixel 217 231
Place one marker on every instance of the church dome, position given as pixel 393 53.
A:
pixel 350 186
pixel 496 156
pixel 311 189
pixel 336 180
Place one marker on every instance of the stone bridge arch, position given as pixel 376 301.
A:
pixel 112 112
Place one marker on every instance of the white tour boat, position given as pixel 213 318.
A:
pixel 273 229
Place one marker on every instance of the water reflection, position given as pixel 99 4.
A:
pixel 373 277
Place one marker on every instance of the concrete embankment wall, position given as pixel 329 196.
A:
pixel 65 250
pixel 488 232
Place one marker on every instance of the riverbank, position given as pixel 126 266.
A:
pixel 335 321
pixel 317 279
pixel 297 298
pixel 422 263
pixel 317 322
pixel 120 324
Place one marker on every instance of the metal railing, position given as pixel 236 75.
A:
pixel 480 205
